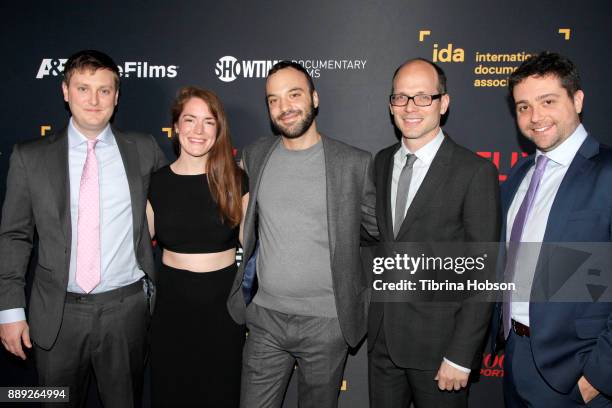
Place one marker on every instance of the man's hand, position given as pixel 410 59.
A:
pixel 12 334
pixel 587 391
pixel 449 378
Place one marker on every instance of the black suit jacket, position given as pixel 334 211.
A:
pixel 38 199
pixel 458 201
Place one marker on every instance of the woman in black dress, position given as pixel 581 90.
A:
pixel 195 210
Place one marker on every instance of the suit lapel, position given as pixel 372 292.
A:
pixel 386 193
pixel 59 179
pixel 257 171
pixel 570 187
pixel 572 183
pixel 131 164
pixel 438 171
pixel 256 167
pixel 333 184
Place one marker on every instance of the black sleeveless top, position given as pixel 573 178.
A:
pixel 187 219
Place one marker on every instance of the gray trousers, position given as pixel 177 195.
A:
pixel 276 342
pixel 103 334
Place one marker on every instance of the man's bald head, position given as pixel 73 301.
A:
pixel 423 64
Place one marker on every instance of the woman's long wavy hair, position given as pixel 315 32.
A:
pixel 224 176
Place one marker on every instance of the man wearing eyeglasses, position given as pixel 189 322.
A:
pixel 429 189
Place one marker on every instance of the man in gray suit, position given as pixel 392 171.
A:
pixel 309 197
pixel 83 191
pixel 428 189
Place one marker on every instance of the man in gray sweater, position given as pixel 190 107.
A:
pixel 310 195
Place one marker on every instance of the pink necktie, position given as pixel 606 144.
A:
pixel 88 225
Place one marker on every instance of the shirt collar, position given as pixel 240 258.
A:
pixel 76 138
pixel 426 153
pixel 565 152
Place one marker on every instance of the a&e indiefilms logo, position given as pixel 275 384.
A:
pixel 229 68
pixel 129 69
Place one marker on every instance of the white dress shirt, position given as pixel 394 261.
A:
pixel 559 161
pixel 425 156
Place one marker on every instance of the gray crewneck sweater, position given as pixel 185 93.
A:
pixel 293 265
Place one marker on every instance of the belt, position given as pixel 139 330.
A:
pixel 109 296
pixel 520 329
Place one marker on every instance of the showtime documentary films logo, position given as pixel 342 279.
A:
pixel 229 68
pixel 53 67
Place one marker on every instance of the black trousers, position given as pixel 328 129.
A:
pixel 104 335
pixel 196 347
pixel 396 387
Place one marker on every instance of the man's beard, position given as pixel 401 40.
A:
pixel 297 129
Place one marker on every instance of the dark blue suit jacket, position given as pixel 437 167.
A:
pixel 572 339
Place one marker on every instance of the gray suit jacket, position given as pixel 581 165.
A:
pixel 350 204
pixel 38 199
pixel 458 201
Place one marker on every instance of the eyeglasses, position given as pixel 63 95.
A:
pixel 419 100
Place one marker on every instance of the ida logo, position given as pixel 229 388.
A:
pixel 51 66
pixel 492 365
pixel 448 54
